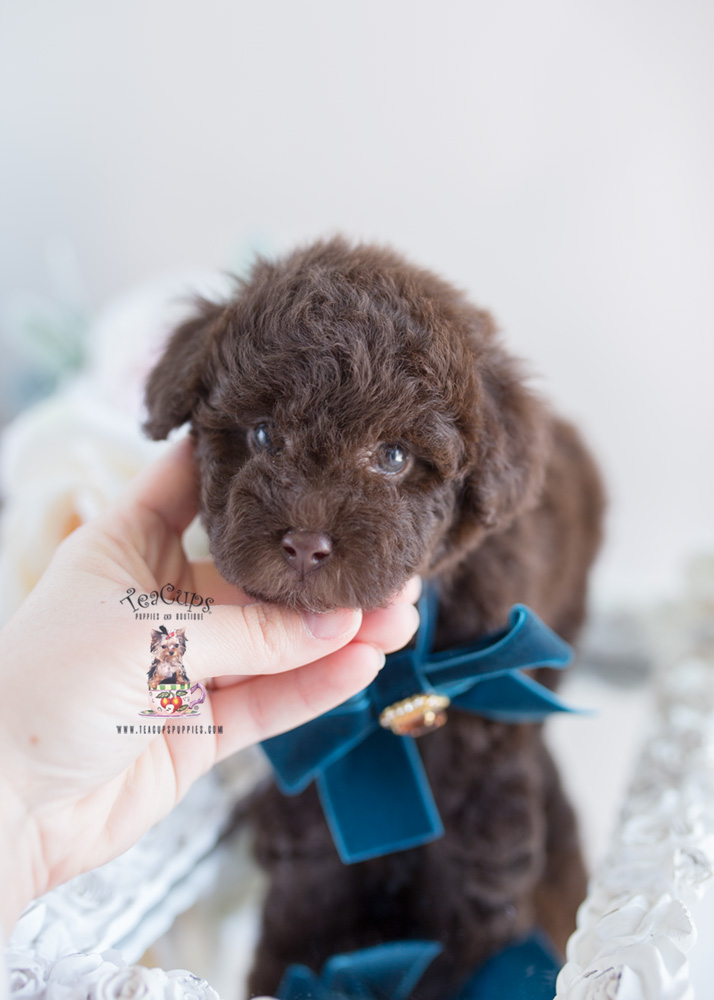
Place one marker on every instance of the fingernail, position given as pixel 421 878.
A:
pixel 415 617
pixel 330 625
pixel 379 655
pixel 414 583
pixel 382 659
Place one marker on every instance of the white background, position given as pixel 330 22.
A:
pixel 554 158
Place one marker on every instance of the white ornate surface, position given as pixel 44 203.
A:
pixel 636 929
pixel 77 940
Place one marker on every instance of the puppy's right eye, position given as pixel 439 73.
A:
pixel 262 439
pixel 391 459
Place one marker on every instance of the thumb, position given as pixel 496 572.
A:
pixel 265 639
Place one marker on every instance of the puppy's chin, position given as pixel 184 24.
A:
pixel 298 600
pixel 314 592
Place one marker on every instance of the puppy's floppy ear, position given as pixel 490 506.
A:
pixel 512 444
pixel 178 379
pixel 156 638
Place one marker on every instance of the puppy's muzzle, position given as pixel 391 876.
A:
pixel 306 551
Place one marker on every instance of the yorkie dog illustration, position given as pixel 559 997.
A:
pixel 167 665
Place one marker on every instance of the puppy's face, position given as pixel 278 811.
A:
pixel 355 423
pixel 168 647
pixel 323 491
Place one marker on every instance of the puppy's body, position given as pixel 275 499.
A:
pixel 356 421
pixel 510 857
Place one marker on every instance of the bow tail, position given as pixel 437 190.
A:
pixel 298 755
pixel 377 799
pixel 513 697
pixel 385 972
pixel 524 970
pixel 300 983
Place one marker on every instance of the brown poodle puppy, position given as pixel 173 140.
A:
pixel 357 421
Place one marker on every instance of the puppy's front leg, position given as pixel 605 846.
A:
pixel 312 908
pixel 477 884
pixel 563 885
pixel 309 915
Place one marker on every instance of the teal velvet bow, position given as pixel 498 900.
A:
pixel 525 970
pixel 374 791
pixel 386 972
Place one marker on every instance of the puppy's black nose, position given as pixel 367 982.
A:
pixel 306 550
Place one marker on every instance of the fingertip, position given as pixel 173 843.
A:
pixel 333 624
pixel 390 628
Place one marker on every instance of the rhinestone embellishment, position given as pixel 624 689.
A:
pixel 415 716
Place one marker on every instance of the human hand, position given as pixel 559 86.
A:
pixel 73 663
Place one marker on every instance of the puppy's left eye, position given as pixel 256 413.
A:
pixel 262 438
pixel 391 459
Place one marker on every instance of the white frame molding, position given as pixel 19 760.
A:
pixel 636 927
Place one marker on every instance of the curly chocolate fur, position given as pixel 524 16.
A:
pixel 334 351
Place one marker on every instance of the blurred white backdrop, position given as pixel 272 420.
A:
pixel 555 159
